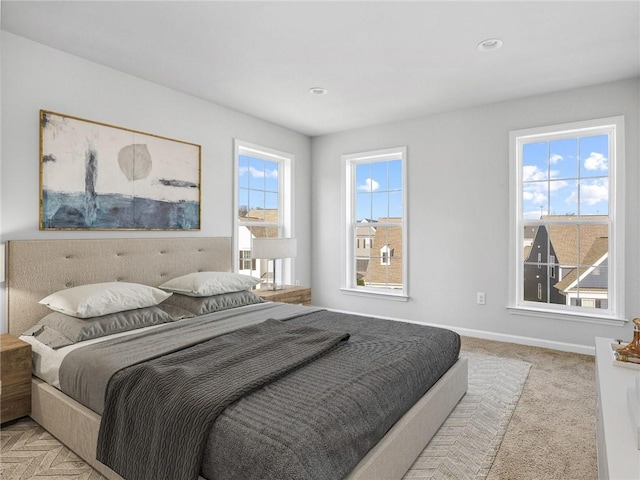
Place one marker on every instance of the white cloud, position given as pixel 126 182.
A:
pixel 596 161
pixel 255 173
pixel 557 185
pixel 594 193
pixel 532 172
pixel 537 198
pixel 370 185
pixel 591 193
pixel 555 158
pixel 536 195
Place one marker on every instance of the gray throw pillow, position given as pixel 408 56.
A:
pixel 58 330
pixel 214 303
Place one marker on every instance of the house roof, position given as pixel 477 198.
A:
pixel 262 215
pixel 530 232
pixel 564 238
pixel 594 256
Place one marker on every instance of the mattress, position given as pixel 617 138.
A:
pixel 320 420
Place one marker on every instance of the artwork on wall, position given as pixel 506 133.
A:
pixel 95 176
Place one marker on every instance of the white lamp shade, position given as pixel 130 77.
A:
pixel 271 248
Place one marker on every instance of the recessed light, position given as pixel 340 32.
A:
pixel 489 44
pixel 318 91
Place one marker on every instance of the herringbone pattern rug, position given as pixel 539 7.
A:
pixel 464 448
pixel 29 452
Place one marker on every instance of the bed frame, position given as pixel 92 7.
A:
pixel 37 268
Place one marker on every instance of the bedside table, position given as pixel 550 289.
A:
pixel 15 378
pixel 287 294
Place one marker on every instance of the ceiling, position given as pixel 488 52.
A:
pixel 380 61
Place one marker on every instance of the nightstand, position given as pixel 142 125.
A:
pixel 15 378
pixel 287 294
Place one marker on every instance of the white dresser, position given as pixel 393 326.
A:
pixel 618 455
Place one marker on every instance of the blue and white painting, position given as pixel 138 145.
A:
pixel 96 176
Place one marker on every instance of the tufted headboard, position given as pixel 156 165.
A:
pixel 37 268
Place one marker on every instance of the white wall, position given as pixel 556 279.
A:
pixel 459 214
pixel 37 77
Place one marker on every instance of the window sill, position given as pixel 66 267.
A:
pixel 398 297
pixel 572 317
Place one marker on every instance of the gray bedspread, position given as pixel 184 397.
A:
pixel 85 373
pixel 158 414
pixel 317 422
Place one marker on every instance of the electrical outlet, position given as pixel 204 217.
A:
pixel 480 298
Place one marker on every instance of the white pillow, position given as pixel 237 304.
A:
pixel 204 284
pixel 98 299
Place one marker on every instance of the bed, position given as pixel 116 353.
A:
pixel 37 268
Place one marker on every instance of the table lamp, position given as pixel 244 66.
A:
pixel 274 249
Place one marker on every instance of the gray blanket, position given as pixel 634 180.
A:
pixel 317 422
pixel 158 413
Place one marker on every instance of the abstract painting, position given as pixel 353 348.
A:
pixel 95 176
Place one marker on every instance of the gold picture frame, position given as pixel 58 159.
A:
pixel 96 176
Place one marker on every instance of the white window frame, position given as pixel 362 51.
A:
pixel 615 314
pixel 349 285
pixel 285 201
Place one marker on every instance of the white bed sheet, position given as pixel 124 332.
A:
pixel 46 361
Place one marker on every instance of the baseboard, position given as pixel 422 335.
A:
pixel 498 337
pixel 528 341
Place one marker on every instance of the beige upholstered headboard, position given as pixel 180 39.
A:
pixel 37 268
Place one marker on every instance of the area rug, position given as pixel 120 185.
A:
pixel 467 443
pixel 464 447
pixel 30 452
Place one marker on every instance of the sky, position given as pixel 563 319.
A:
pixel 560 177
pixel 566 177
pixel 258 183
pixel 378 190
pixel 378 187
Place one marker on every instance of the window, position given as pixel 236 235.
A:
pixel 375 205
pixel 263 205
pixel 567 220
pixel 246 262
pixel 385 255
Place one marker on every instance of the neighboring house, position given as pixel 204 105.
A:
pixel 556 264
pixel 364 242
pixel 247 264
pixel 592 278
pixel 385 264
pixel 537 278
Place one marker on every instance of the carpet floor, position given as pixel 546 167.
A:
pixel 542 430
pixel 552 433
